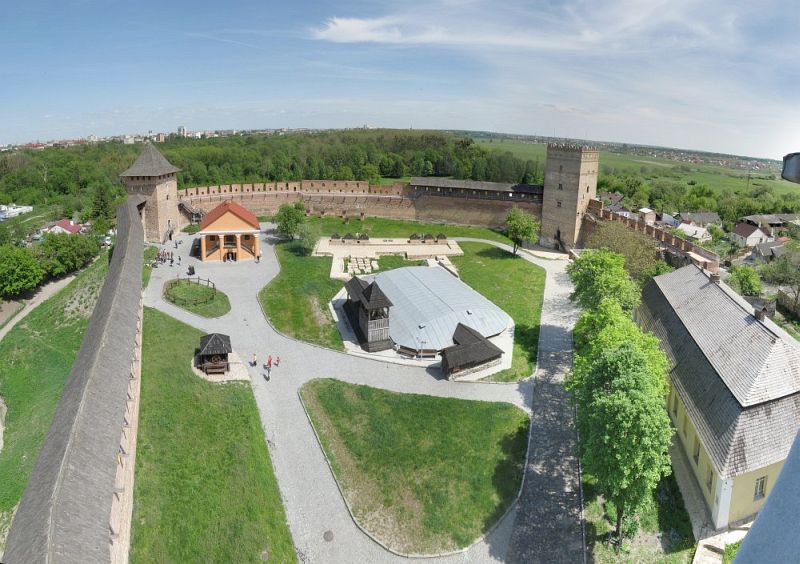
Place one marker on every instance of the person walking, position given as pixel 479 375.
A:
pixel 269 362
pixel 255 358
pixel 277 361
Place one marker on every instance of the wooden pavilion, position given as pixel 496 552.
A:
pixel 229 232
pixel 213 355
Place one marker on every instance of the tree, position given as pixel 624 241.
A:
pixel 521 226
pixel 19 271
pixel 5 235
pixel 641 254
pixel 307 235
pixel 289 218
pixel 600 274
pixel 745 280
pixel 61 253
pixel 624 429
pixel 101 203
pixel 785 271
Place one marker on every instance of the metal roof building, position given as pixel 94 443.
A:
pixel 429 303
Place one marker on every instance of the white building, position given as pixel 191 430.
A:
pixel 12 210
pixel 749 235
pixel 694 232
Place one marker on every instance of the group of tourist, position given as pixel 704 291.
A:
pixel 268 363
pixel 164 257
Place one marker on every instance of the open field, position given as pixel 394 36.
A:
pixel 205 490
pixel 517 287
pixel 665 532
pixel 422 474
pixel 37 356
pixel 197 298
pixel 651 168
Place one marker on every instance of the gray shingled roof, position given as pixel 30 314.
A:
pixel 215 343
pixel 701 218
pixel 437 182
pixel 738 377
pixel 150 163
pixel 471 348
pixel 428 304
pixel 65 511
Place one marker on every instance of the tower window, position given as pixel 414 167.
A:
pixel 560 168
pixel 558 204
pixel 560 186
pixel 587 188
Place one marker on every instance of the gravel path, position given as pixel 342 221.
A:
pixel 311 498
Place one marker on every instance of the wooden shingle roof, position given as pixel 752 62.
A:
pixel 150 163
pixel 215 343
pixel 471 348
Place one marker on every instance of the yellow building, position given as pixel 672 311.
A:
pixel 734 388
pixel 229 232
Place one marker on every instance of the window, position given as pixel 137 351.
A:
pixel 696 453
pixel 587 188
pixel 761 488
pixel 558 204
pixel 560 168
pixel 709 479
pixel 560 186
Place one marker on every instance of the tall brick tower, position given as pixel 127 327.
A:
pixel 570 181
pixel 153 179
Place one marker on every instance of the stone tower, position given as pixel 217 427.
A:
pixel 153 181
pixel 570 181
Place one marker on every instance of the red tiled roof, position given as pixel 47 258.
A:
pixel 67 225
pixel 232 207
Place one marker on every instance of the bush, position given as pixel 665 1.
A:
pixel 60 254
pixel 19 271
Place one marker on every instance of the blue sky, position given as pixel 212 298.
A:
pixel 715 75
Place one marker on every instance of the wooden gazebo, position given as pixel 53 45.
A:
pixel 213 355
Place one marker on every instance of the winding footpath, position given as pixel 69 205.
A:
pixel 544 526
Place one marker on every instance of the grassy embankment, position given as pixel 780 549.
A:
pixel 517 287
pixel 422 474
pixel 664 535
pixel 205 490
pixel 37 355
pixel 197 298
pixel 150 253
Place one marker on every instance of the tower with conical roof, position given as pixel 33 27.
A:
pixel 152 179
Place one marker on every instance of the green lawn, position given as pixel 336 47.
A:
pixel 296 301
pixel 380 227
pixel 666 517
pixel 197 298
pixel 191 228
pixel 149 256
pixel 423 474
pixel 205 490
pixel 37 356
pixel 730 552
pixel 517 287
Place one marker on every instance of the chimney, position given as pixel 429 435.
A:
pixel 715 277
pixel 761 313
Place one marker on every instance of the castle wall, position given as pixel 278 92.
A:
pixel 489 213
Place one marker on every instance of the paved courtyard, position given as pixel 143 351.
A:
pixel 548 525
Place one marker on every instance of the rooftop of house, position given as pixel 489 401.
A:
pixel 369 294
pixel 470 348
pixel 738 375
pixel 68 225
pixel 150 163
pixel 701 218
pixel 229 206
pixel 694 231
pixel 745 229
pixel 215 343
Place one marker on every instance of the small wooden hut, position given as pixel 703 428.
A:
pixel 213 355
